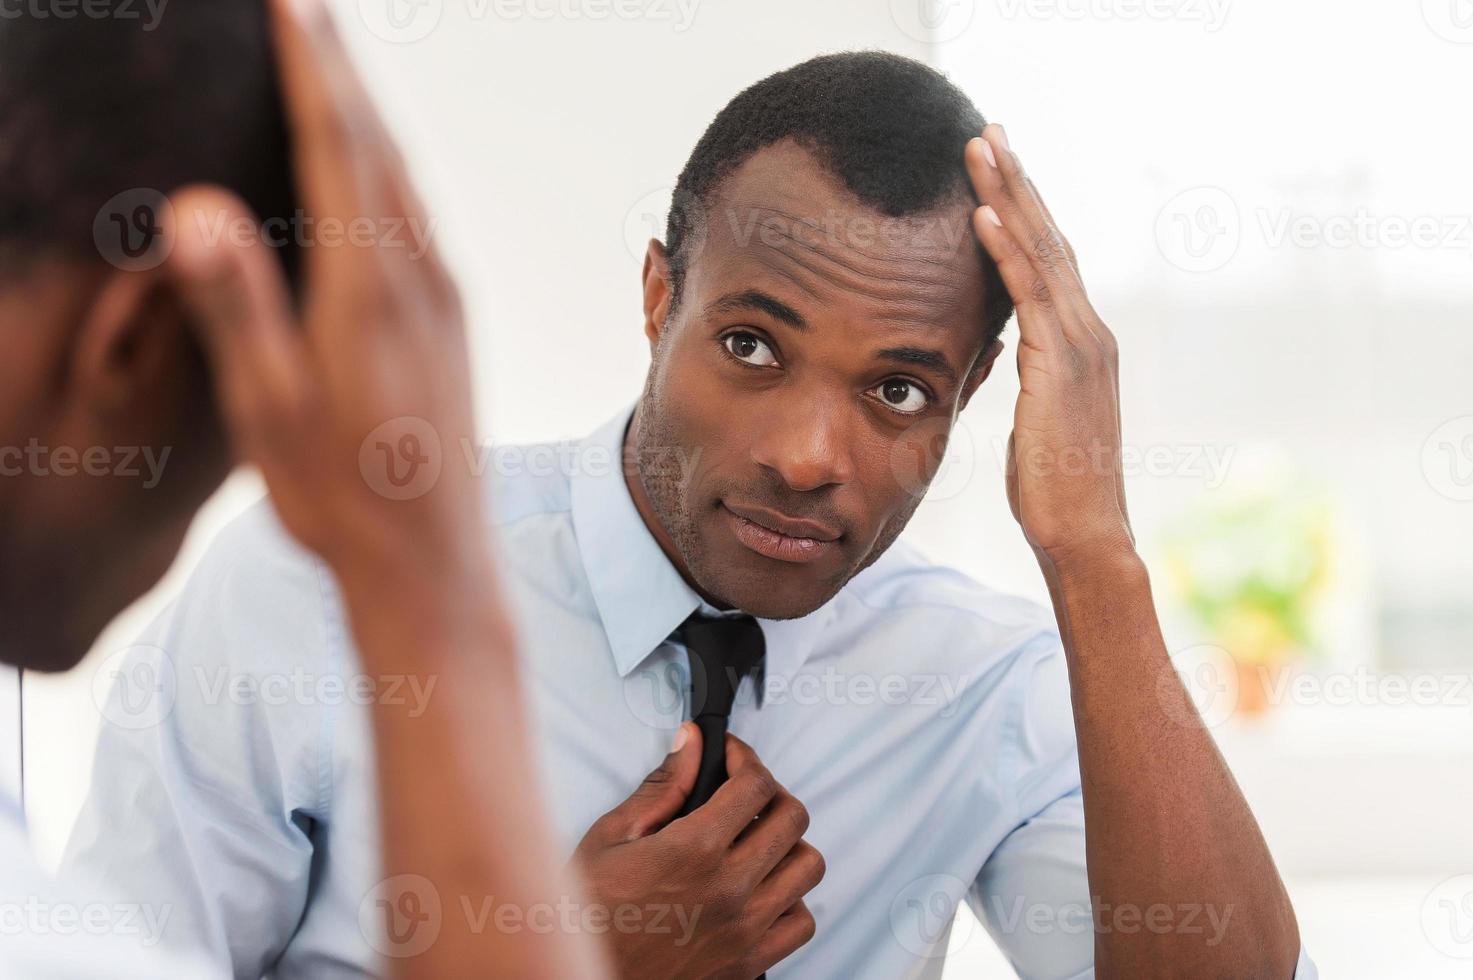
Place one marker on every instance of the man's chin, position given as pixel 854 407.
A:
pixel 52 613
pixel 769 589
pixel 38 643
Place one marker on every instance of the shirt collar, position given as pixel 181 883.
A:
pixel 640 596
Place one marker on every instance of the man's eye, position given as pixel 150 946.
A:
pixel 903 396
pixel 750 349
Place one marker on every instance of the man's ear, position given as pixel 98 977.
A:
pixel 656 291
pixel 981 370
pixel 129 340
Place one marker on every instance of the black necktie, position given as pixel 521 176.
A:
pixel 723 650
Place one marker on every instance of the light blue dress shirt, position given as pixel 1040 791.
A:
pixel 923 719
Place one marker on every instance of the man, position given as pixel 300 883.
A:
pixel 829 297
pixel 108 326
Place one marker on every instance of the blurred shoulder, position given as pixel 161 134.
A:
pixel 256 600
pixel 255 557
pixel 528 480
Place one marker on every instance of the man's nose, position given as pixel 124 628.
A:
pixel 808 445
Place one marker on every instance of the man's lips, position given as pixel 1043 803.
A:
pixel 778 536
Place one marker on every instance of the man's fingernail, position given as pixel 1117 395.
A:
pixel 682 735
pixel 1002 136
pixel 991 215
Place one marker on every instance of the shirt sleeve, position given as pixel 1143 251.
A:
pixel 1033 894
pixel 210 773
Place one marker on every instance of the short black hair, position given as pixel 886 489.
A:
pixel 115 99
pixel 891 128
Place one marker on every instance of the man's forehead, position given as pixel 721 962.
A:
pixel 783 215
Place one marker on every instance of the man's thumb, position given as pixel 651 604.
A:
pixel 660 797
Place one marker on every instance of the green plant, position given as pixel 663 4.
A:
pixel 1252 569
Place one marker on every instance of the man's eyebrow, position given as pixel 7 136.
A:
pixel 755 299
pixel 921 357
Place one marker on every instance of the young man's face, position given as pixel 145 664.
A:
pixel 108 444
pixel 806 382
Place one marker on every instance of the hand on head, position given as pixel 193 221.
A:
pixel 376 344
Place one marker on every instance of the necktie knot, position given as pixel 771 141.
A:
pixel 723 650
